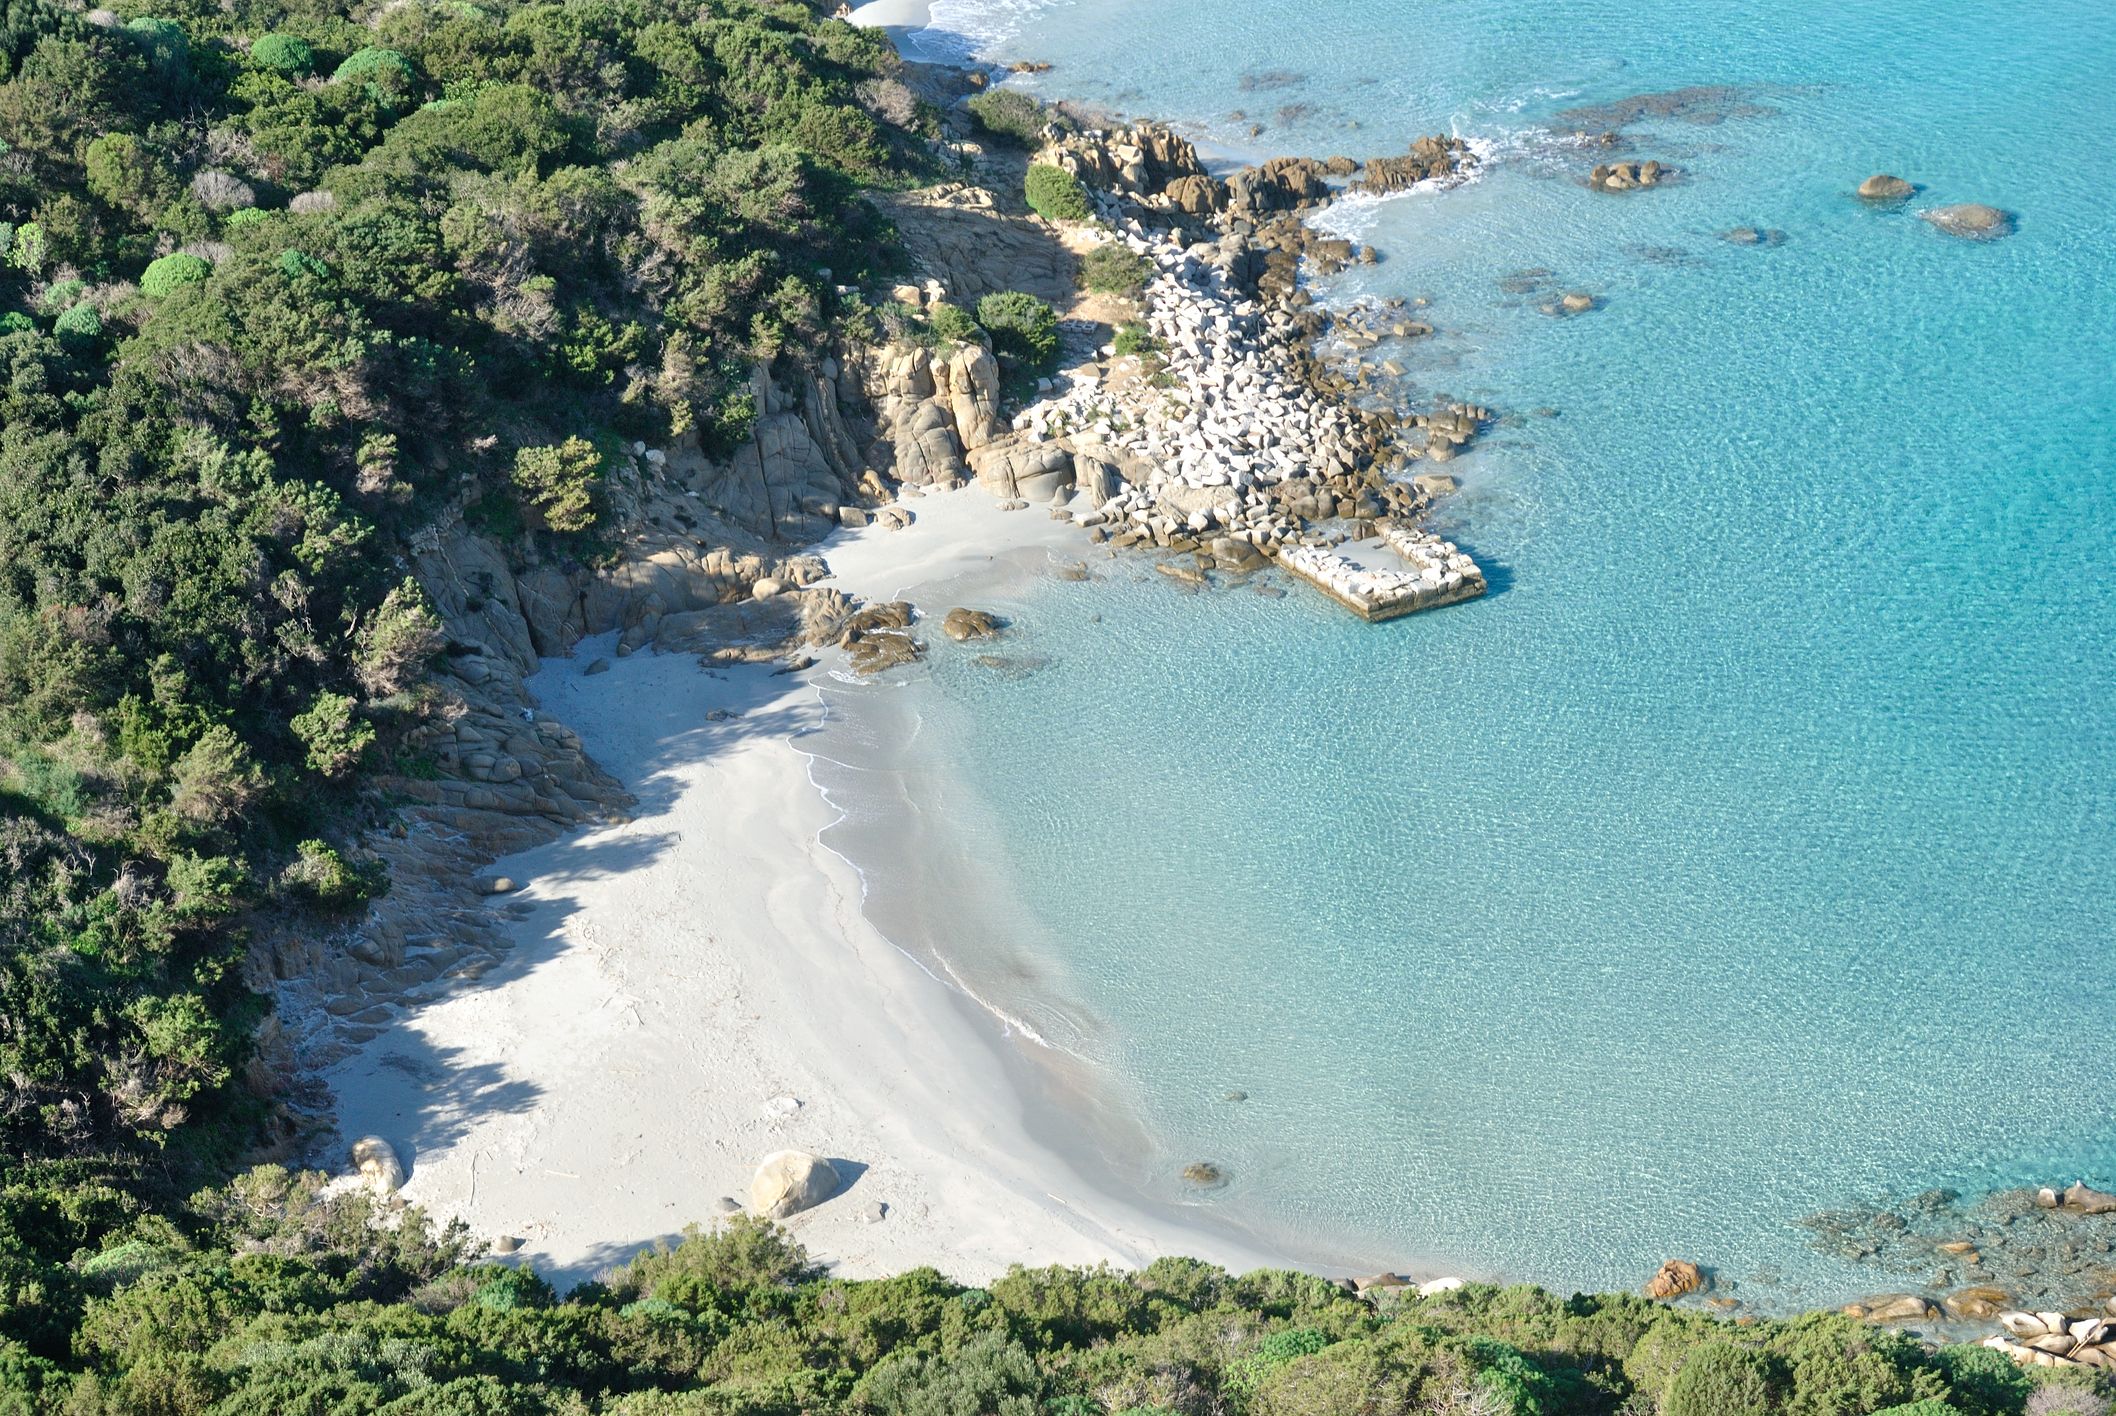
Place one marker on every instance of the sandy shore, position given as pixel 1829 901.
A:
pixel 698 987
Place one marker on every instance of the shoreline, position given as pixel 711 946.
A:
pixel 699 985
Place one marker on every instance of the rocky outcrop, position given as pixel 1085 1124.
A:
pixel 2054 1339
pixel 933 408
pixel 1282 184
pixel 790 1181
pixel 1032 471
pixel 962 624
pixel 1141 163
pixel 1885 187
pixel 1431 159
pixel 1628 176
pixel 1972 221
pixel 1675 1278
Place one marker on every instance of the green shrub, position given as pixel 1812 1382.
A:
pixel 244 216
pixel 1011 115
pixel 1133 338
pixel 1724 1378
pixel 950 325
pixel 557 484
pixel 1021 325
pixel 391 651
pixel 1930 1406
pixel 15 322
pixel 284 53
pixel 168 49
pixel 333 733
pixel 82 324
pixel 170 273
pixel 385 74
pixel 1116 269
pixel 1055 194
pixel 26 251
pixel 323 879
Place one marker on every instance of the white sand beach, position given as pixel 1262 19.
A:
pixel 698 987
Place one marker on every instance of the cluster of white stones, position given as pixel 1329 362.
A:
pixel 1221 418
pixel 1437 574
pixel 2056 1340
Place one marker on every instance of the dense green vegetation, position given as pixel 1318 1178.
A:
pixel 1055 194
pixel 1015 118
pixel 266 1296
pixel 1115 269
pixel 278 278
pixel 1022 327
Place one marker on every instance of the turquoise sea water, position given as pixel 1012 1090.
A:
pixel 1753 849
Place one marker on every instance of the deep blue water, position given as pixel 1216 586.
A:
pixel 1750 851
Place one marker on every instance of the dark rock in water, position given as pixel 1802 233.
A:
pixel 962 623
pixel 2043 1255
pixel 1012 666
pixel 1236 1096
pixel 1526 282
pixel 1264 80
pixel 1204 1174
pixel 1430 158
pixel 1753 236
pixel 1885 187
pixel 1972 221
pixel 1702 104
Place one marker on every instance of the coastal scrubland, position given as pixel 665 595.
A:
pixel 269 1295
pixel 279 282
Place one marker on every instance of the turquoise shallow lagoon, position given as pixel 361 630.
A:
pixel 1752 850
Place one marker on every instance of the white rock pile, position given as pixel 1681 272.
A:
pixel 2057 1340
pixel 1437 573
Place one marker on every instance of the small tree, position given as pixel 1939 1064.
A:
pixel 164 277
pixel 283 52
pixel 334 734
pixel 1055 194
pixel 395 645
pixel 215 779
pixel 557 484
pixel 1021 325
pixel 1724 1379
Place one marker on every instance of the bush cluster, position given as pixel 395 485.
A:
pixel 1022 327
pixel 268 1295
pixel 1055 194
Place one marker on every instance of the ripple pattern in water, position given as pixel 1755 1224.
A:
pixel 1750 851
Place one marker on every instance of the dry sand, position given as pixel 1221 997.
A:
pixel 698 987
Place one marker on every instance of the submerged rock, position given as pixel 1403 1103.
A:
pixel 1972 221
pixel 788 1182
pixel 1204 1174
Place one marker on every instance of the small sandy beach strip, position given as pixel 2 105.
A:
pixel 697 987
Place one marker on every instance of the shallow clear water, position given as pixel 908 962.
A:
pixel 1750 850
